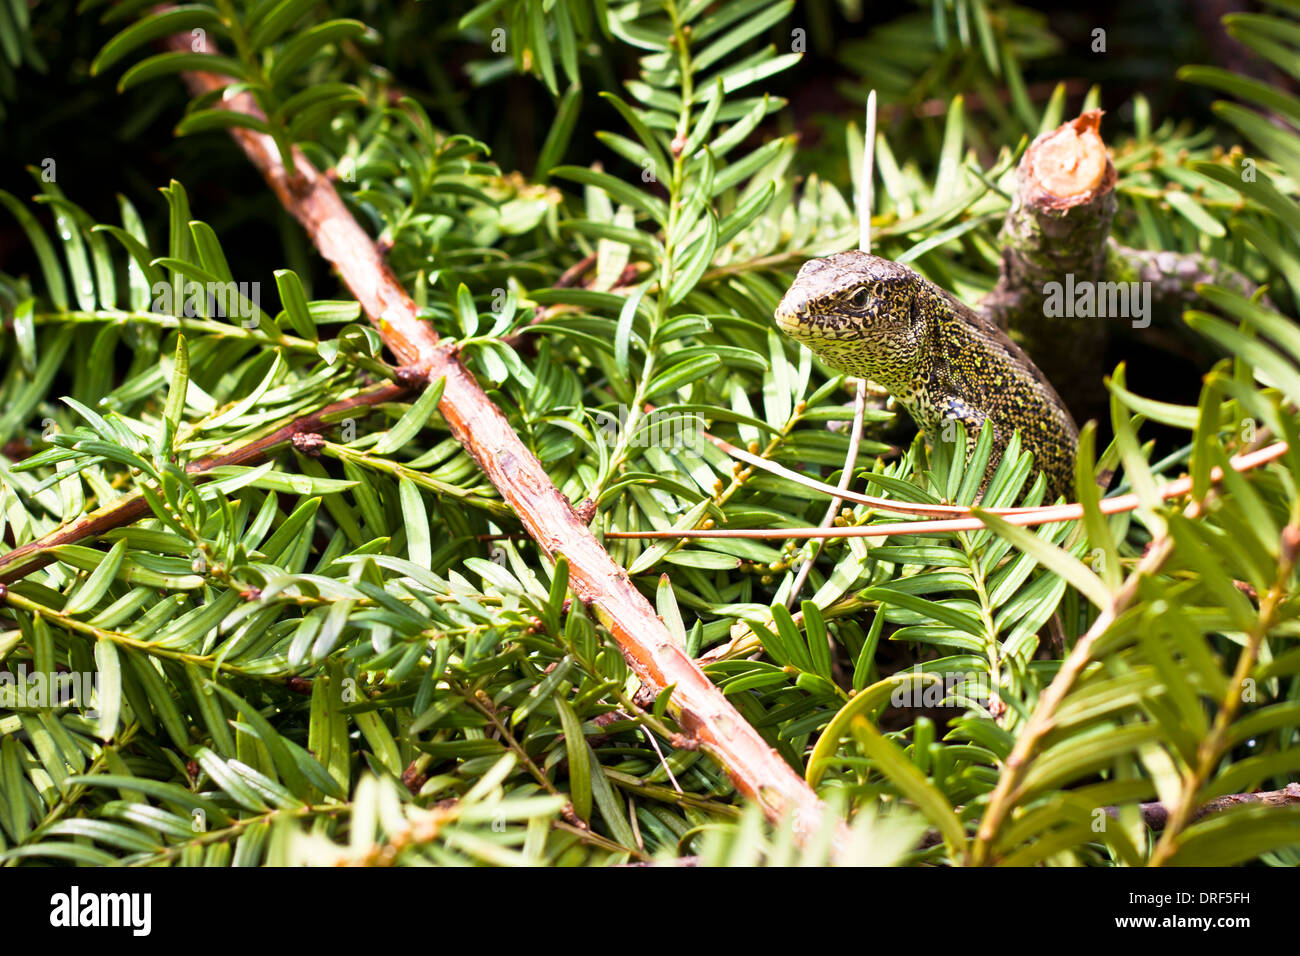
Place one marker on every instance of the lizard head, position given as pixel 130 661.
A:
pixel 861 314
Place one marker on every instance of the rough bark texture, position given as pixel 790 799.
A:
pixel 1058 225
pixel 1156 815
pixel 1058 231
pixel 1174 276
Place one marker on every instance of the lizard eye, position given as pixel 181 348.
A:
pixel 860 297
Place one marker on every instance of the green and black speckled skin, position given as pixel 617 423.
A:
pixel 877 319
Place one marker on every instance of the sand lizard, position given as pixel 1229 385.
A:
pixel 942 361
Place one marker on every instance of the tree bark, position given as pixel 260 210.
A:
pixel 1055 238
pixel 1057 226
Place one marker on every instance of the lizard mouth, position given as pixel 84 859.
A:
pixel 798 327
pixel 790 319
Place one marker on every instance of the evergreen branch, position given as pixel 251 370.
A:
pixel 475 421
pixel 35 555
pixel 72 624
pixel 1042 720
pixel 1216 743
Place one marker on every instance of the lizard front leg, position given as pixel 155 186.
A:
pixel 958 413
pixel 954 414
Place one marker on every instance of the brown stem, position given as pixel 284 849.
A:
pixel 1216 742
pixel 1156 815
pixel 1174 276
pixel 1056 239
pixel 756 769
pixel 35 555
pixel 1005 794
pixel 1057 225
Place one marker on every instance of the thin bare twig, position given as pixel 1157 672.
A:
pixel 865 202
pixel 1024 517
pixel 809 553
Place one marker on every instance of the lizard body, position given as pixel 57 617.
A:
pixel 943 362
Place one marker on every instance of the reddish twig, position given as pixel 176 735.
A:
pixel 756 769
pixel 35 555
pixel 1025 517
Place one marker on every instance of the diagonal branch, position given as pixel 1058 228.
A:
pixel 756 769
pixel 35 555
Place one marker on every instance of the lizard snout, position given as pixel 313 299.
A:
pixel 790 312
